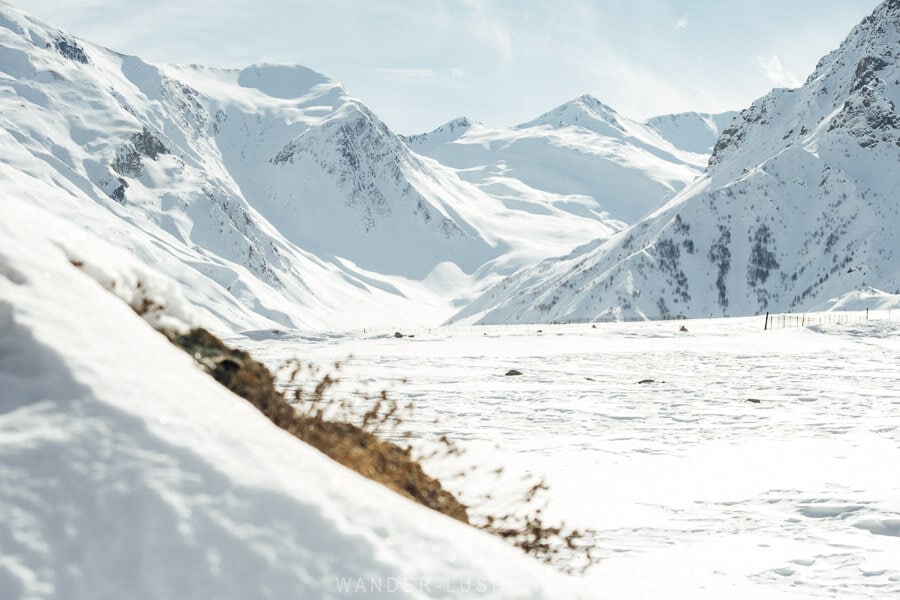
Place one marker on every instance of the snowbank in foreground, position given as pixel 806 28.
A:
pixel 125 472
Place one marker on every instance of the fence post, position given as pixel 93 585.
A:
pixel 867 314
pixel 766 326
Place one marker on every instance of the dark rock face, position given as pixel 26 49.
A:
pixel 866 71
pixel 128 161
pixel 148 144
pixel 732 136
pixel 868 114
pixel 118 194
pixel 70 49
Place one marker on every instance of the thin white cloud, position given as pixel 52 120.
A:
pixel 405 73
pixel 777 73
pixel 485 24
pixel 505 48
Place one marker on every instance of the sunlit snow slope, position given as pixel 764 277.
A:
pixel 268 188
pixel 581 157
pixel 280 200
pixel 799 205
pixel 125 471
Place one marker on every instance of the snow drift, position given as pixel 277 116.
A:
pixel 126 471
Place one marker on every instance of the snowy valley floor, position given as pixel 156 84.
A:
pixel 747 464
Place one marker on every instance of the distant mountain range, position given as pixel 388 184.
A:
pixel 277 200
pixel 798 206
pixel 581 157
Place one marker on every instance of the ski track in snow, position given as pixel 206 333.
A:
pixel 685 476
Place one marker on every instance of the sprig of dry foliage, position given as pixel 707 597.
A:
pixel 352 446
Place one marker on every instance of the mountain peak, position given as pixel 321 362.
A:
pixel 457 126
pixel 876 36
pixel 592 103
pixel 849 100
pixel 584 111
pixel 449 131
pixel 460 123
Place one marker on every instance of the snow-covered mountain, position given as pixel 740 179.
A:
pixel 277 199
pixel 692 131
pixel 269 191
pixel 798 205
pixel 581 157
pixel 271 194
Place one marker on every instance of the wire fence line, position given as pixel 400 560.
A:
pixel 771 321
pixel 834 317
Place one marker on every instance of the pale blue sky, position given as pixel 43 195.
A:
pixel 419 63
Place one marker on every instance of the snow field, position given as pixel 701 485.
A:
pixel 695 489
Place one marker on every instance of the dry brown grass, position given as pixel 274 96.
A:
pixel 380 460
pixel 570 550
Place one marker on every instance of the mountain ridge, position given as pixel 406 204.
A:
pixel 795 208
pixel 581 156
pixel 292 199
